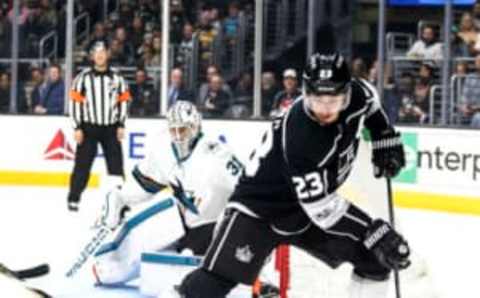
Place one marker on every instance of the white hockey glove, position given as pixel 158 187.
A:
pixel 112 209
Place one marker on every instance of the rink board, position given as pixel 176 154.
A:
pixel 442 173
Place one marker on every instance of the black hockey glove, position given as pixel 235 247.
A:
pixel 391 250
pixel 388 156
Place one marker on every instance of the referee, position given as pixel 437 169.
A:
pixel 99 98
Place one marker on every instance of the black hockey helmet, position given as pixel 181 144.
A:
pixel 326 74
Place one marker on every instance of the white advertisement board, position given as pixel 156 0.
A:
pixel 443 161
pixel 440 161
pixel 46 143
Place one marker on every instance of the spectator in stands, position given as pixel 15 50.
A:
pixel 137 32
pixel 114 17
pixel 147 59
pixel 461 68
pixel 425 80
pixel 5 95
pixel 242 98
pixel 202 92
pixel 125 45
pixel 216 101
pixel 5 35
pixel 177 89
pixel 359 68
pixel 157 50
pixel 126 12
pixel 42 18
pixel 206 37
pixel 185 48
pixel 177 21
pixel 117 56
pixel 34 28
pixel 373 73
pixel 109 25
pixel 144 98
pixel 48 16
pixel 231 23
pixel 156 32
pixel 466 37
pixel 25 12
pixel 460 73
pixel 99 34
pixel 476 14
pixel 147 43
pixel 427 47
pixel 39 85
pixel 401 105
pixel 284 99
pixel 52 100
pixel 269 90
pixel 387 73
pixel 214 16
pixel 469 104
pixel 417 111
pixel 244 86
pixel 148 11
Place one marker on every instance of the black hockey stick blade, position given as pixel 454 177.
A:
pixel 33 272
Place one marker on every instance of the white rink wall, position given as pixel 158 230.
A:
pixel 443 168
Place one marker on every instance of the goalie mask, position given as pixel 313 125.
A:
pixel 326 86
pixel 184 127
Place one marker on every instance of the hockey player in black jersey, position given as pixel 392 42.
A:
pixel 287 194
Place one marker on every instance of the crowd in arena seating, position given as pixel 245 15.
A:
pixel 133 31
pixel 409 97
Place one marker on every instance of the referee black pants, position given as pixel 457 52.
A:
pixel 86 152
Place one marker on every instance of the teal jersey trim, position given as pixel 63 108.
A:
pixel 171 259
pixel 146 183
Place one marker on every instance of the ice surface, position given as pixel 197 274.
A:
pixel 35 227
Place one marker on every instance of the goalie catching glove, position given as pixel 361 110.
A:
pixel 388 154
pixel 391 250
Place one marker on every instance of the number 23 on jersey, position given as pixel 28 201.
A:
pixel 308 186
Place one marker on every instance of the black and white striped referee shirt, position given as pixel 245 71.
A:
pixel 99 98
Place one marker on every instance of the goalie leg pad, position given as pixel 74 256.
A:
pixel 118 260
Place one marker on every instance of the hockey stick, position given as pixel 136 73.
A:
pixel 391 216
pixel 32 272
pixel 89 249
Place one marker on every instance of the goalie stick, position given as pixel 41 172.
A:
pixel 391 216
pixel 89 249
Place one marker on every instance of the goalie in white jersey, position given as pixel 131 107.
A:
pixel 201 171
